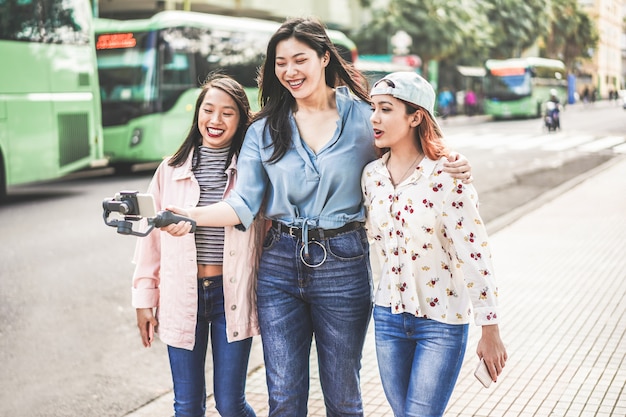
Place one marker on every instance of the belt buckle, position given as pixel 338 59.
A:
pixel 291 231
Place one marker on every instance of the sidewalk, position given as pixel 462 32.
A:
pixel 561 267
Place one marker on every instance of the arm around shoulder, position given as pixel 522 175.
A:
pixel 458 166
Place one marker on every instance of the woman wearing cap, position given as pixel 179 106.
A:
pixel 431 245
pixel 300 167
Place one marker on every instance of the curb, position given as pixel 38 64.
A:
pixel 505 220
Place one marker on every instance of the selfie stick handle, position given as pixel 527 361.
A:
pixel 166 217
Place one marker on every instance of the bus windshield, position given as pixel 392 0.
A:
pixel 126 66
pixel 508 85
pixel 146 72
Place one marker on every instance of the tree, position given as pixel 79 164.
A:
pixel 516 26
pixel 438 29
pixel 470 31
pixel 572 33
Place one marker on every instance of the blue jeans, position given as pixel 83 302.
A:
pixel 332 302
pixel 419 361
pixel 230 361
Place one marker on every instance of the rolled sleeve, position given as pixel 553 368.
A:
pixel 145 297
pixel 247 196
pixel 241 208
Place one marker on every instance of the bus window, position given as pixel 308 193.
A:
pixel 126 64
pixel 44 21
pixel 508 84
pixel 344 45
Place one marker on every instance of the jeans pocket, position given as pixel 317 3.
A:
pixel 271 238
pixel 348 246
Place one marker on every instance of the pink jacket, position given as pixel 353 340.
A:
pixel 166 268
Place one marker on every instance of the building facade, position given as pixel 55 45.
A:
pixel 604 73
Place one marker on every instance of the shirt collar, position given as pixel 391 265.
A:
pixel 427 166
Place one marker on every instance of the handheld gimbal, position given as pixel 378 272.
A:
pixel 132 207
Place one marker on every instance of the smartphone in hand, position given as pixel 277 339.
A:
pixel 150 333
pixel 482 374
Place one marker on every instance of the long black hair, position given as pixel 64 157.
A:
pixel 277 101
pixel 194 137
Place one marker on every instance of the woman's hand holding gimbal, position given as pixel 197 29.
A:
pixel 182 227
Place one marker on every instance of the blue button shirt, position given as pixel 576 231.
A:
pixel 305 189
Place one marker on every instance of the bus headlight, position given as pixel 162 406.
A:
pixel 135 138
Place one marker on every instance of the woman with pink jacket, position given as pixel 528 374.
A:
pixel 201 287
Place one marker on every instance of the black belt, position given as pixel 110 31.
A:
pixel 316 234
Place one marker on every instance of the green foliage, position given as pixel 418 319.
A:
pixel 572 33
pixel 470 31
pixel 516 26
pixel 438 28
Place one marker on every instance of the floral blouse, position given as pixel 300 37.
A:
pixel 431 245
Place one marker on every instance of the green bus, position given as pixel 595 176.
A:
pixel 150 71
pixel 50 120
pixel 519 87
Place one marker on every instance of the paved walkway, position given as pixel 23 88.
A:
pixel 561 267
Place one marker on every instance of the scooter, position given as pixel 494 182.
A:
pixel 551 116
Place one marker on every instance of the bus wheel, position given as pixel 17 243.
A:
pixel 122 168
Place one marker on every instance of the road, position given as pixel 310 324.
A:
pixel 515 161
pixel 68 342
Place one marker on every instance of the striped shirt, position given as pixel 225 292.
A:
pixel 212 178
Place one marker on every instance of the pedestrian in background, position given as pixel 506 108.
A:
pixel 303 156
pixel 183 278
pixel 446 100
pixel 585 95
pixel 433 252
pixel 470 102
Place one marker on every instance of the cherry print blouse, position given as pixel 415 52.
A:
pixel 431 245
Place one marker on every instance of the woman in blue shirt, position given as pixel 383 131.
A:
pixel 300 166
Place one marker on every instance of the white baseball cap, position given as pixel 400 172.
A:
pixel 407 86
